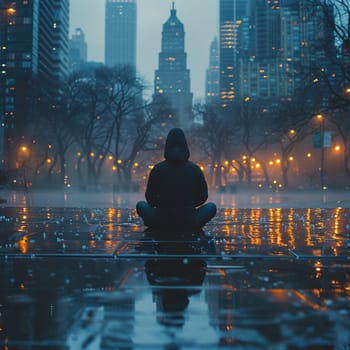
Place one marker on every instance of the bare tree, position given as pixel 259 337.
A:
pixel 215 135
pixel 112 121
pixel 141 133
pixel 91 127
pixel 254 133
pixel 51 130
pixel 121 98
pixel 291 123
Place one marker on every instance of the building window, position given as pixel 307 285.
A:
pixel 27 56
pixel 10 82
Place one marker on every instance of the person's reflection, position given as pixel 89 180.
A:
pixel 177 280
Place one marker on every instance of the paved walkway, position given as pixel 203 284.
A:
pixel 82 278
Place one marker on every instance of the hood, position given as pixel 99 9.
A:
pixel 176 149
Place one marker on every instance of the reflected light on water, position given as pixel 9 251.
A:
pixel 255 236
pixel 307 301
pixel 110 215
pixel 23 245
pixel 308 231
pixel 307 223
pixel 246 296
pixel 290 229
pixel 337 220
pixel 252 230
pixel 275 218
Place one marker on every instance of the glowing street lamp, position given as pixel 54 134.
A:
pixel 23 154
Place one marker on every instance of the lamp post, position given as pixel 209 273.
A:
pixel 23 157
pixel 323 139
pixel 321 118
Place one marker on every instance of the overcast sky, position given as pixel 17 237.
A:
pixel 200 18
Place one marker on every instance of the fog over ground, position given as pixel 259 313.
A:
pixel 241 199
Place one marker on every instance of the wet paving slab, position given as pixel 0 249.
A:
pixel 80 278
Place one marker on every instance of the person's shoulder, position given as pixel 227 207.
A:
pixel 160 165
pixel 194 166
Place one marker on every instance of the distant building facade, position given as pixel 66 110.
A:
pixel 77 50
pixel 234 27
pixel 172 78
pixel 213 73
pixel 264 45
pixel 34 45
pixel 120 33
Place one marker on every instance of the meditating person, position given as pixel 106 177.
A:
pixel 176 190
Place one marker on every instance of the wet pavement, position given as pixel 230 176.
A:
pixel 258 278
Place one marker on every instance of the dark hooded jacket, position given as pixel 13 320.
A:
pixel 176 183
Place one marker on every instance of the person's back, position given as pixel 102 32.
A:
pixel 176 182
pixel 175 188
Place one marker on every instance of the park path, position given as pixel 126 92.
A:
pixel 93 278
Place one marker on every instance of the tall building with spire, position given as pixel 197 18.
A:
pixel 213 73
pixel 172 78
pixel 120 33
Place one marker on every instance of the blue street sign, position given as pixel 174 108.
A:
pixel 327 139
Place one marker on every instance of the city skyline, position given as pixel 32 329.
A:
pixel 200 31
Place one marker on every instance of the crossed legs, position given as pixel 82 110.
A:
pixel 151 218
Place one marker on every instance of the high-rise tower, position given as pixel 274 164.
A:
pixel 172 78
pixel 120 34
pixel 33 45
pixel 77 49
pixel 266 28
pixel 213 73
pixel 234 29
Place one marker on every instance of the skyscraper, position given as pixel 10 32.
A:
pixel 120 34
pixel 264 45
pixel 172 78
pixel 234 28
pixel 266 28
pixel 34 45
pixel 260 72
pixel 77 49
pixel 213 73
